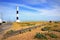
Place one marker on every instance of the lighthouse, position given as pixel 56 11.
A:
pixel 17 14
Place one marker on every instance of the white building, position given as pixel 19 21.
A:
pixel 0 20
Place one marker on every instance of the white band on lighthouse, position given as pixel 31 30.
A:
pixel 17 15
pixel 17 8
pixel 17 20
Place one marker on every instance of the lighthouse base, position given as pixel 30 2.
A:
pixel 17 20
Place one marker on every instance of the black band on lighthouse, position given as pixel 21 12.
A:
pixel 17 18
pixel 17 12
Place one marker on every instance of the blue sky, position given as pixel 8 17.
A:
pixel 30 10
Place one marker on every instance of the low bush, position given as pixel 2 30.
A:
pixel 50 21
pixel 29 29
pixel 52 35
pixel 57 30
pixel 56 22
pixel 38 36
pixel 30 24
pixel 10 32
pixel 45 28
pixel 55 25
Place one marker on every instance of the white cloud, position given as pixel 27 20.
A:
pixel 34 2
pixel 52 12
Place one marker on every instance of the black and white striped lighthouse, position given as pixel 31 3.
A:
pixel 17 14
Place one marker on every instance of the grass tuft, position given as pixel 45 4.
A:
pixel 40 36
pixel 52 35
pixel 45 28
